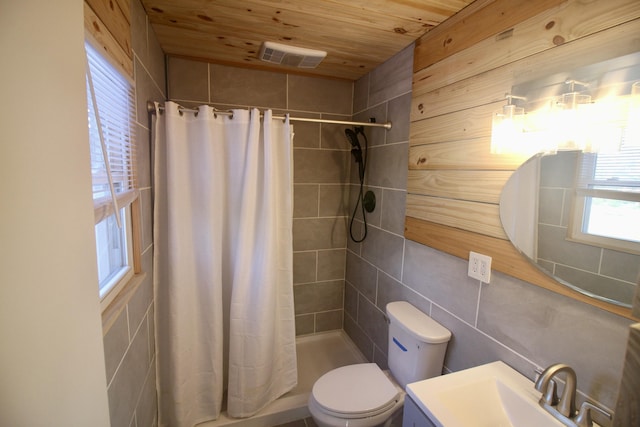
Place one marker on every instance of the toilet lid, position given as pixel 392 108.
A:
pixel 355 389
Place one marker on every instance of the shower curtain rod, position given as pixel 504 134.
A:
pixel 151 108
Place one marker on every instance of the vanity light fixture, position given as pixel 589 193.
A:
pixel 570 118
pixel 507 127
pixel 573 121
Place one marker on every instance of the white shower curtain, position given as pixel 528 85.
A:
pixel 222 263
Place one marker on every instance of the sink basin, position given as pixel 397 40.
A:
pixel 489 395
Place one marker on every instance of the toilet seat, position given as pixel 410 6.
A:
pixel 355 391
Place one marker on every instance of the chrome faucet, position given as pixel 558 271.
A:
pixel 564 409
pixel 567 404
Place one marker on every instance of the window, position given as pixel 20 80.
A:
pixel 607 201
pixel 110 100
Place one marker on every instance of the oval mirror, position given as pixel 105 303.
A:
pixel 583 233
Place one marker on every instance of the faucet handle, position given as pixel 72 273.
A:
pixel 583 419
pixel 551 394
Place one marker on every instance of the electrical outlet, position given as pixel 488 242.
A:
pixel 479 267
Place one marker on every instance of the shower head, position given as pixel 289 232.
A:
pixel 356 150
pixel 352 136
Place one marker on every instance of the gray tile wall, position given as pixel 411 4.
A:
pixel 129 342
pixel 509 319
pixel 321 170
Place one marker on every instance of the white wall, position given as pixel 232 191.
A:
pixel 51 355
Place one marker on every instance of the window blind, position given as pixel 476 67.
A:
pixel 610 175
pixel 619 169
pixel 112 138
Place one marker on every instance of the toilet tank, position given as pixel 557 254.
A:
pixel 417 344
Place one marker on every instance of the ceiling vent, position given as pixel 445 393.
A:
pixel 292 56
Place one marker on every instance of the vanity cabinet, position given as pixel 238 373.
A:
pixel 413 416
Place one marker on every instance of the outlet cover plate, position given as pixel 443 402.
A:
pixel 479 267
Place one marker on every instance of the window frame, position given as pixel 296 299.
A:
pixel 130 208
pixel 114 285
pixel 577 234
pixel 587 188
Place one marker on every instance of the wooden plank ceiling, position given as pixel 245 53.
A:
pixel 358 35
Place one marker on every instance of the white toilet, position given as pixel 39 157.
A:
pixel 363 395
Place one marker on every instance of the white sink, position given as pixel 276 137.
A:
pixel 489 395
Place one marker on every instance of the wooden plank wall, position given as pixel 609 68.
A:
pixel 462 71
pixel 109 24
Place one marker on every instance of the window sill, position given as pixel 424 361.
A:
pixel 113 310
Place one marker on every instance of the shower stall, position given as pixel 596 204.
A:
pixel 242 308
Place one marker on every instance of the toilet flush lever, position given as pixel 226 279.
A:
pixel 396 342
